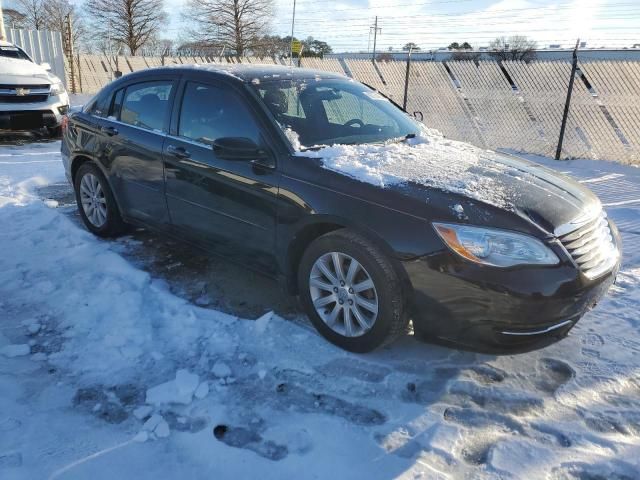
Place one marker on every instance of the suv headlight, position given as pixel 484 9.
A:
pixel 57 89
pixel 495 247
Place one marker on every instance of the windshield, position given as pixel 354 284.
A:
pixel 333 111
pixel 13 52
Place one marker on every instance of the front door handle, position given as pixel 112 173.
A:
pixel 111 131
pixel 263 164
pixel 178 152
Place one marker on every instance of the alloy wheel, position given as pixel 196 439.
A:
pixel 343 294
pixel 93 200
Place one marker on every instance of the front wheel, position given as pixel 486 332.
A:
pixel 96 203
pixel 351 292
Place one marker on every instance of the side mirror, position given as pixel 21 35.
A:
pixel 46 66
pixel 238 148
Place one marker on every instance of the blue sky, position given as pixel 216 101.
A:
pixel 345 24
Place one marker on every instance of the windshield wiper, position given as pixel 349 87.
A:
pixel 401 139
pixel 313 148
pixel 377 142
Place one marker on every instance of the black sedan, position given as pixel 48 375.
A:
pixel 324 184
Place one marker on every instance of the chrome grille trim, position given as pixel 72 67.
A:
pixel 538 332
pixel 591 245
pixel 24 93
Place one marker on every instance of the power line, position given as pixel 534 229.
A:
pixel 618 15
pixel 568 5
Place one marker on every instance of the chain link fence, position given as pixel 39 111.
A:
pixel 510 105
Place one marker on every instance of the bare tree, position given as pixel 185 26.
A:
pixel 56 13
pixel 272 46
pixel 239 25
pixel 34 13
pixel 129 23
pixel 159 47
pixel 517 47
pixel 52 15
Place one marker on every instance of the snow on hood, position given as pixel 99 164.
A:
pixel 22 68
pixel 429 159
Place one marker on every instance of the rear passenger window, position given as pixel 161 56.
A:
pixel 146 104
pixel 209 113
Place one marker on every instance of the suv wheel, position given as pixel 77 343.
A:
pixel 351 292
pixel 96 204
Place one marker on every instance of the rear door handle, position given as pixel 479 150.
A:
pixel 178 152
pixel 111 131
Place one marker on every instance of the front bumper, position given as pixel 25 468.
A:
pixel 499 310
pixel 33 116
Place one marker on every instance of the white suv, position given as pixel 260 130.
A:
pixel 31 97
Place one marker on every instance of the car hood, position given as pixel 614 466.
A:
pixel 14 71
pixel 546 197
pixel 540 195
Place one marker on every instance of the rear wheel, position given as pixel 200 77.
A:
pixel 96 204
pixel 351 292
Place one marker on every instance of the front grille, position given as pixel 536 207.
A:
pixel 40 86
pixel 23 99
pixel 24 93
pixel 592 247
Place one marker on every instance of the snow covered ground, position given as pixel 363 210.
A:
pixel 105 373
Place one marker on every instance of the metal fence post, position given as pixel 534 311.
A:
pixel 406 80
pixel 567 104
pixel 79 73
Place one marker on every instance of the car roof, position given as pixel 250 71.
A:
pixel 244 72
pixel 4 43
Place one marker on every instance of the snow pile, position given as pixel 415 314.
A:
pixel 262 323
pixel 180 390
pixel 428 159
pixel 15 350
pixel 221 369
pixel 156 425
pixel 108 338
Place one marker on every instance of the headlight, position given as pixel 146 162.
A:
pixel 494 247
pixel 57 89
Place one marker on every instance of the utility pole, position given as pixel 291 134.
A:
pixel 69 52
pixel 293 24
pixel 375 37
pixel 3 34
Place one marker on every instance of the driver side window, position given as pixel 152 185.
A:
pixel 208 113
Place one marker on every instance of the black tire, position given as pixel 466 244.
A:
pixel 392 318
pixel 113 225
